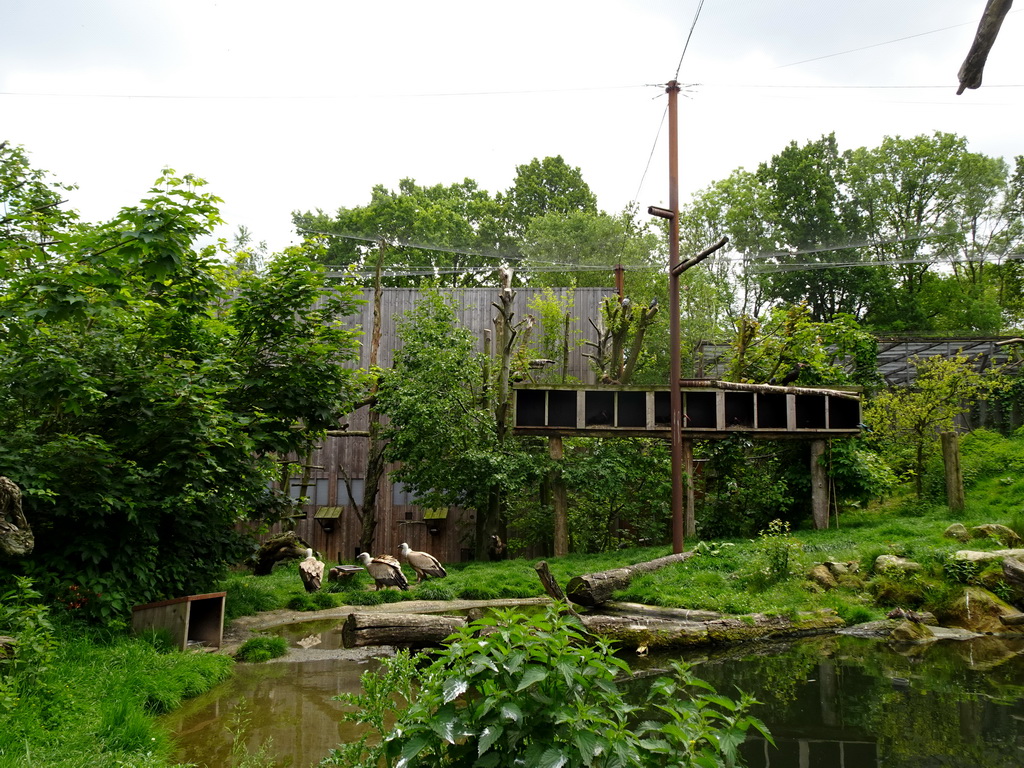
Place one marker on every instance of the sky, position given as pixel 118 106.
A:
pixel 309 104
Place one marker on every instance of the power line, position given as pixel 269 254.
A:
pixel 688 36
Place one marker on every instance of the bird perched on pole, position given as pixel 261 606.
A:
pixel 385 570
pixel 312 572
pixel 424 563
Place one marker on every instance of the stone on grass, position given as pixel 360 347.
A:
pixel 957 531
pixel 1000 533
pixel 893 564
pixel 822 576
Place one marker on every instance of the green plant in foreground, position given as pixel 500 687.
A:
pixel 512 690
pixel 262 648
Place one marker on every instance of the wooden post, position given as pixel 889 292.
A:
pixel 559 499
pixel 954 477
pixel 819 486
pixel 691 519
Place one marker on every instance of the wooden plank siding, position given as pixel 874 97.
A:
pixel 399 520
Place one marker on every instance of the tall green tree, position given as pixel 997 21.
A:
pixel 143 406
pixel 547 186
pixel 449 235
pixel 812 213
pixel 920 198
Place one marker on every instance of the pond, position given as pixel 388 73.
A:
pixel 829 701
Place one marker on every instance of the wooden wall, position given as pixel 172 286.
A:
pixel 398 522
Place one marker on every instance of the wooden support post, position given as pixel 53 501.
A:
pixel 559 499
pixel 691 519
pixel 819 486
pixel 954 476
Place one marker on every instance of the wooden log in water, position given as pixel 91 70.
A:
pixel 653 611
pixel 596 588
pixel 405 629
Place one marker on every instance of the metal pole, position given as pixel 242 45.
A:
pixel 675 396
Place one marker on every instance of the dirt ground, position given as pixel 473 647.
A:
pixel 241 629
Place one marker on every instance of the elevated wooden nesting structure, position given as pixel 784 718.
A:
pixel 711 409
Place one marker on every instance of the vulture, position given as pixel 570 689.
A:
pixel 312 572
pixel 424 563
pixel 496 548
pixel 385 570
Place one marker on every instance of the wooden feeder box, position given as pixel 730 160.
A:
pixel 195 621
pixel 327 517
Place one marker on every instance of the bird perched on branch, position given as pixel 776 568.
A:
pixel 496 548
pixel 385 570
pixel 312 572
pixel 424 563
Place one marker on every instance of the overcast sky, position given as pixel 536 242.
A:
pixel 309 104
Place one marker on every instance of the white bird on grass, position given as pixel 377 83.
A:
pixel 424 563
pixel 312 572
pixel 385 570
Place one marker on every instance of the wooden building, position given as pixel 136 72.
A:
pixel 327 521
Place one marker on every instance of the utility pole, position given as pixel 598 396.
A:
pixel 675 269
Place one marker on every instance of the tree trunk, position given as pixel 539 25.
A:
pixel 819 488
pixel 595 588
pixel 559 499
pixel 954 476
pixel 284 546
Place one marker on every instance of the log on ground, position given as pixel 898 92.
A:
pixel 595 588
pixel 404 629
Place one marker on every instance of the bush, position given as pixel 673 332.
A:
pixel 262 648
pixel 511 690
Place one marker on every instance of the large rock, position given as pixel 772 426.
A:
pixel 892 564
pixel 974 556
pixel 1006 536
pixel 822 576
pixel 978 610
pixel 911 632
pixel 959 532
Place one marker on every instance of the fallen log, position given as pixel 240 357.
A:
pixel 551 585
pixel 639 610
pixel 636 632
pixel 405 629
pixel 595 588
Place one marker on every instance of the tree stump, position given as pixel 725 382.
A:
pixel 16 539
pixel 595 588
pixel 284 546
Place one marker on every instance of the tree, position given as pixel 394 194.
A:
pixel 144 408
pixel 906 422
pixel 443 424
pixel 811 212
pixel 547 186
pixel 916 196
pixel 452 235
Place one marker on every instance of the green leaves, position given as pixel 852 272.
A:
pixel 561 709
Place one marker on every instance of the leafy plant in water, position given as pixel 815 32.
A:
pixel 516 691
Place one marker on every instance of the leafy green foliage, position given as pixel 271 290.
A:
pixel 513 690
pixel 141 401
pixel 906 422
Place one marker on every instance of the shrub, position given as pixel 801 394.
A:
pixel 262 648
pixel 511 690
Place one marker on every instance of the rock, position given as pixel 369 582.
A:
pixel 893 564
pixel 907 631
pixel 1006 536
pixel 843 569
pixel 957 531
pixel 822 576
pixel 978 610
pixel 974 556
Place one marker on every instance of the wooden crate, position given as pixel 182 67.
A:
pixel 194 621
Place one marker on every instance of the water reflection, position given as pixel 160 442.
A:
pixel 290 704
pixel 829 701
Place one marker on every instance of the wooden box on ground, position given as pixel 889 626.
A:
pixel 195 621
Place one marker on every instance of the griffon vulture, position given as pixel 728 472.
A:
pixel 385 570
pixel 312 572
pixel 424 563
